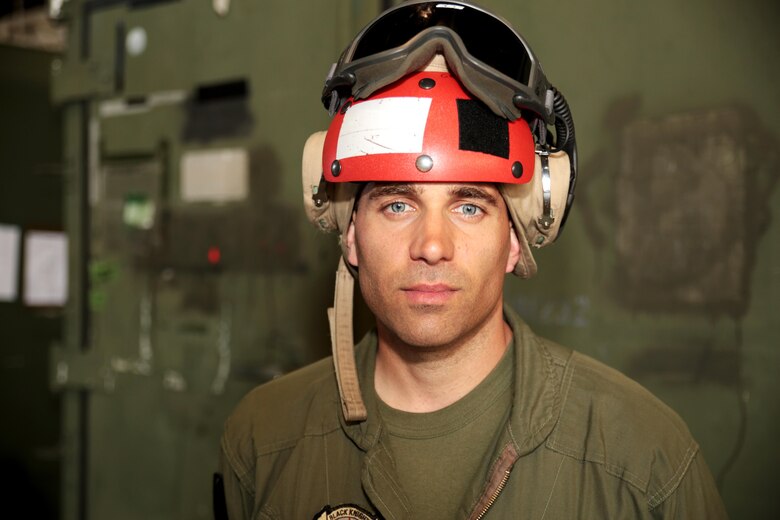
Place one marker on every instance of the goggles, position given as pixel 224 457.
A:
pixel 489 57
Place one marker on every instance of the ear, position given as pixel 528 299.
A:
pixel 514 250
pixel 349 245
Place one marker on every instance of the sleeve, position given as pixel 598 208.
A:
pixel 696 496
pixel 239 499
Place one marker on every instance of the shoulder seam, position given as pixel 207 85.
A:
pixel 554 444
pixel 552 352
pixel 235 465
pixel 667 489
pixel 616 471
pixel 268 512
pixel 275 447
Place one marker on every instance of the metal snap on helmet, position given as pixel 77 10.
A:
pixel 419 96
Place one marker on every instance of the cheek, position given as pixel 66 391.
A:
pixel 490 248
pixel 366 249
pixel 375 253
pixel 376 241
pixel 375 280
pixel 491 265
pixel 495 272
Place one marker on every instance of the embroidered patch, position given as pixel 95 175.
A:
pixel 344 512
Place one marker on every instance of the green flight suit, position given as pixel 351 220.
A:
pixel 582 442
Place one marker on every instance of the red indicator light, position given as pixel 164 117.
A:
pixel 214 255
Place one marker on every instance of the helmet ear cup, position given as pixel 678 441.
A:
pixel 327 205
pixel 525 203
pixel 316 200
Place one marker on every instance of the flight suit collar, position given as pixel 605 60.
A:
pixel 537 400
pixel 535 410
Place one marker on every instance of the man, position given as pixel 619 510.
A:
pixel 438 173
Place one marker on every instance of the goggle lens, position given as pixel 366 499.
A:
pixel 486 38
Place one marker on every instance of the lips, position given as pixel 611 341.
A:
pixel 429 294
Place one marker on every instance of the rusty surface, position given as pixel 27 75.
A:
pixel 689 208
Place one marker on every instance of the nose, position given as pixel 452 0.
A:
pixel 433 239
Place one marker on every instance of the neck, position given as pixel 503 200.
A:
pixel 428 378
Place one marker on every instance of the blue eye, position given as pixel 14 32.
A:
pixel 397 207
pixel 470 210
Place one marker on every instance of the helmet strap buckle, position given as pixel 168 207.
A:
pixel 319 193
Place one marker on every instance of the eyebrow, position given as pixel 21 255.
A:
pixel 392 189
pixel 474 192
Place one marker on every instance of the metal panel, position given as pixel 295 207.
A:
pixel 184 302
pixel 145 104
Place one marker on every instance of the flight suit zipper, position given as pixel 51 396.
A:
pixel 493 496
pixel 496 482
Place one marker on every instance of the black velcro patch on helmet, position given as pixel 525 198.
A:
pixel 481 130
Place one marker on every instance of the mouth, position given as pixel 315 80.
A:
pixel 429 294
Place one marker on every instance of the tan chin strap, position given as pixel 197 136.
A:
pixel 340 318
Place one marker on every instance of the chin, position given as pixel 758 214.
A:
pixel 432 326
pixel 430 331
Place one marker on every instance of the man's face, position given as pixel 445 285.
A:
pixel 431 258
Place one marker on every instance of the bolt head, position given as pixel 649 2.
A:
pixel 424 163
pixel 427 83
pixel 517 169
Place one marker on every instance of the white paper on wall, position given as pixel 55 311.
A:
pixel 214 175
pixel 45 268
pixel 9 262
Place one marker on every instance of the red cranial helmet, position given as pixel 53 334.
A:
pixel 426 128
